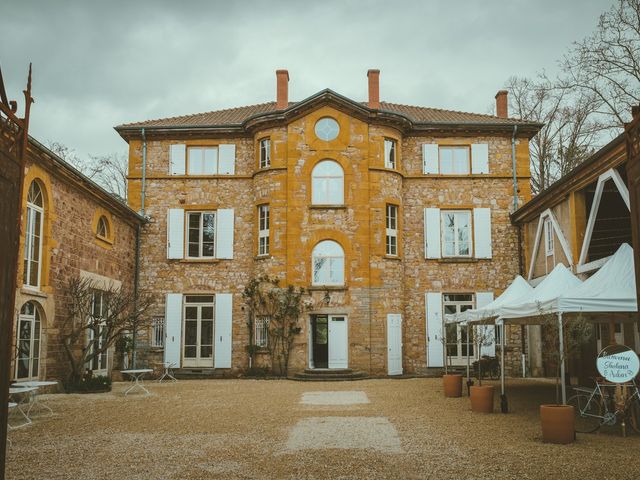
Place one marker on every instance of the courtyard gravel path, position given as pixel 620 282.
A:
pixel 251 429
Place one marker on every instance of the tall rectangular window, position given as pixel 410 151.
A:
pixel 261 331
pixel 201 234
pixel 265 153
pixel 263 230
pixel 548 237
pixel 202 160
pixel 459 345
pixel 157 332
pixel 455 160
pixel 456 233
pixel 97 333
pixel 392 230
pixel 389 153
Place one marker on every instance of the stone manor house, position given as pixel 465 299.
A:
pixel 390 215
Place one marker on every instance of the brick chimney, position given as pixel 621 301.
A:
pixel 502 104
pixel 282 89
pixel 374 88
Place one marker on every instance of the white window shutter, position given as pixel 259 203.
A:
pixel 432 233
pixel 482 232
pixel 479 158
pixel 226 159
pixel 173 328
pixel 430 159
pixel 177 159
pixel 223 328
pixel 482 300
pixel 387 152
pixel 175 233
pixel 224 233
pixel 435 346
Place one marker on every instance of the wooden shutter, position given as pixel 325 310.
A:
pixel 226 159
pixel 177 159
pixel 479 158
pixel 224 317
pixel 432 233
pixel 430 160
pixel 482 232
pixel 173 328
pixel 435 347
pixel 224 234
pixel 175 233
pixel 483 299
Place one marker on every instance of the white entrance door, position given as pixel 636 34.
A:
pixel 394 344
pixel 338 342
pixel 198 331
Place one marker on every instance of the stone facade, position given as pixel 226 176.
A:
pixel 375 284
pixel 71 208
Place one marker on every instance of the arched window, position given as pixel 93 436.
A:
pixel 103 227
pixel 327 183
pixel 28 344
pixel 328 263
pixel 33 236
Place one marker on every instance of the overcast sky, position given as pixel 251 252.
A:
pixel 100 64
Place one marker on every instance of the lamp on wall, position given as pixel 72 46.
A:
pixel 327 298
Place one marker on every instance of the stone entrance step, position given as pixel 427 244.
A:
pixel 329 375
pixel 197 373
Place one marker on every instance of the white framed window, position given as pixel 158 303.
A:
pixel 548 237
pixel 201 234
pixel 263 230
pixel 458 343
pixel 389 153
pixel 265 153
pixel 261 331
pixel 28 342
pixel 202 160
pixel 456 233
pixel 97 333
pixel 454 160
pixel 328 263
pixel 327 183
pixel 392 230
pixel 157 332
pixel 33 236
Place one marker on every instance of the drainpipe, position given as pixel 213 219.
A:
pixel 513 164
pixel 136 279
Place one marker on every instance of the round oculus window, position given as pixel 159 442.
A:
pixel 327 129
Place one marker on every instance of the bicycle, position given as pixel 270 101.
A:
pixel 596 407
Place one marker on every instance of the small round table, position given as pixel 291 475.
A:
pixel 35 398
pixel 136 375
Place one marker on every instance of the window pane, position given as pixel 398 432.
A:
pixel 206 333
pixel 190 332
pixel 208 227
pixel 210 162
pixel 335 191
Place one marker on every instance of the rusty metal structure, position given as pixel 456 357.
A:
pixel 632 132
pixel 14 138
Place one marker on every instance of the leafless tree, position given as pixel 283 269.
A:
pixel 109 171
pixel 607 63
pixel 570 130
pixel 95 315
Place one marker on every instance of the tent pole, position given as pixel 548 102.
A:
pixel 562 372
pixel 504 406
pixel 469 382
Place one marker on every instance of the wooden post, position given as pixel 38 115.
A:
pixel 632 131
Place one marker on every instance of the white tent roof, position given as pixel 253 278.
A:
pixel 544 296
pixel 610 289
pixel 517 289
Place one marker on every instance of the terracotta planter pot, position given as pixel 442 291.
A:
pixel 482 398
pixel 557 424
pixel 452 385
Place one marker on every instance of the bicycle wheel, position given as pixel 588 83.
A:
pixel 587 413
pixel 633 414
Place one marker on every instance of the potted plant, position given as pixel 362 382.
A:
pixel 558 419
pixel 451 382
pixel 482 395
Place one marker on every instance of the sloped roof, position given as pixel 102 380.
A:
pixel 237 116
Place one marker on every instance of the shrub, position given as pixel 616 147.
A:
pixel 91 384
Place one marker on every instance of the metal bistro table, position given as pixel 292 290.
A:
pixel 136 375
pixel 35 402
pixel 167 371
pixel 20 390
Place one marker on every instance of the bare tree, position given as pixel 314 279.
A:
pixel 95 316
pixel 607 63
pixel 570 130
pixel 109 171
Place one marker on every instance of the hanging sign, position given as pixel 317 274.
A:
pixel 618 364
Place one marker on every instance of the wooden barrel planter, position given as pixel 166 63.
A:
pixel 558 424
pixel 482 398
pixel 452 385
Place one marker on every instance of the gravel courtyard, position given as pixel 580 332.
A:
pixel 284 429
